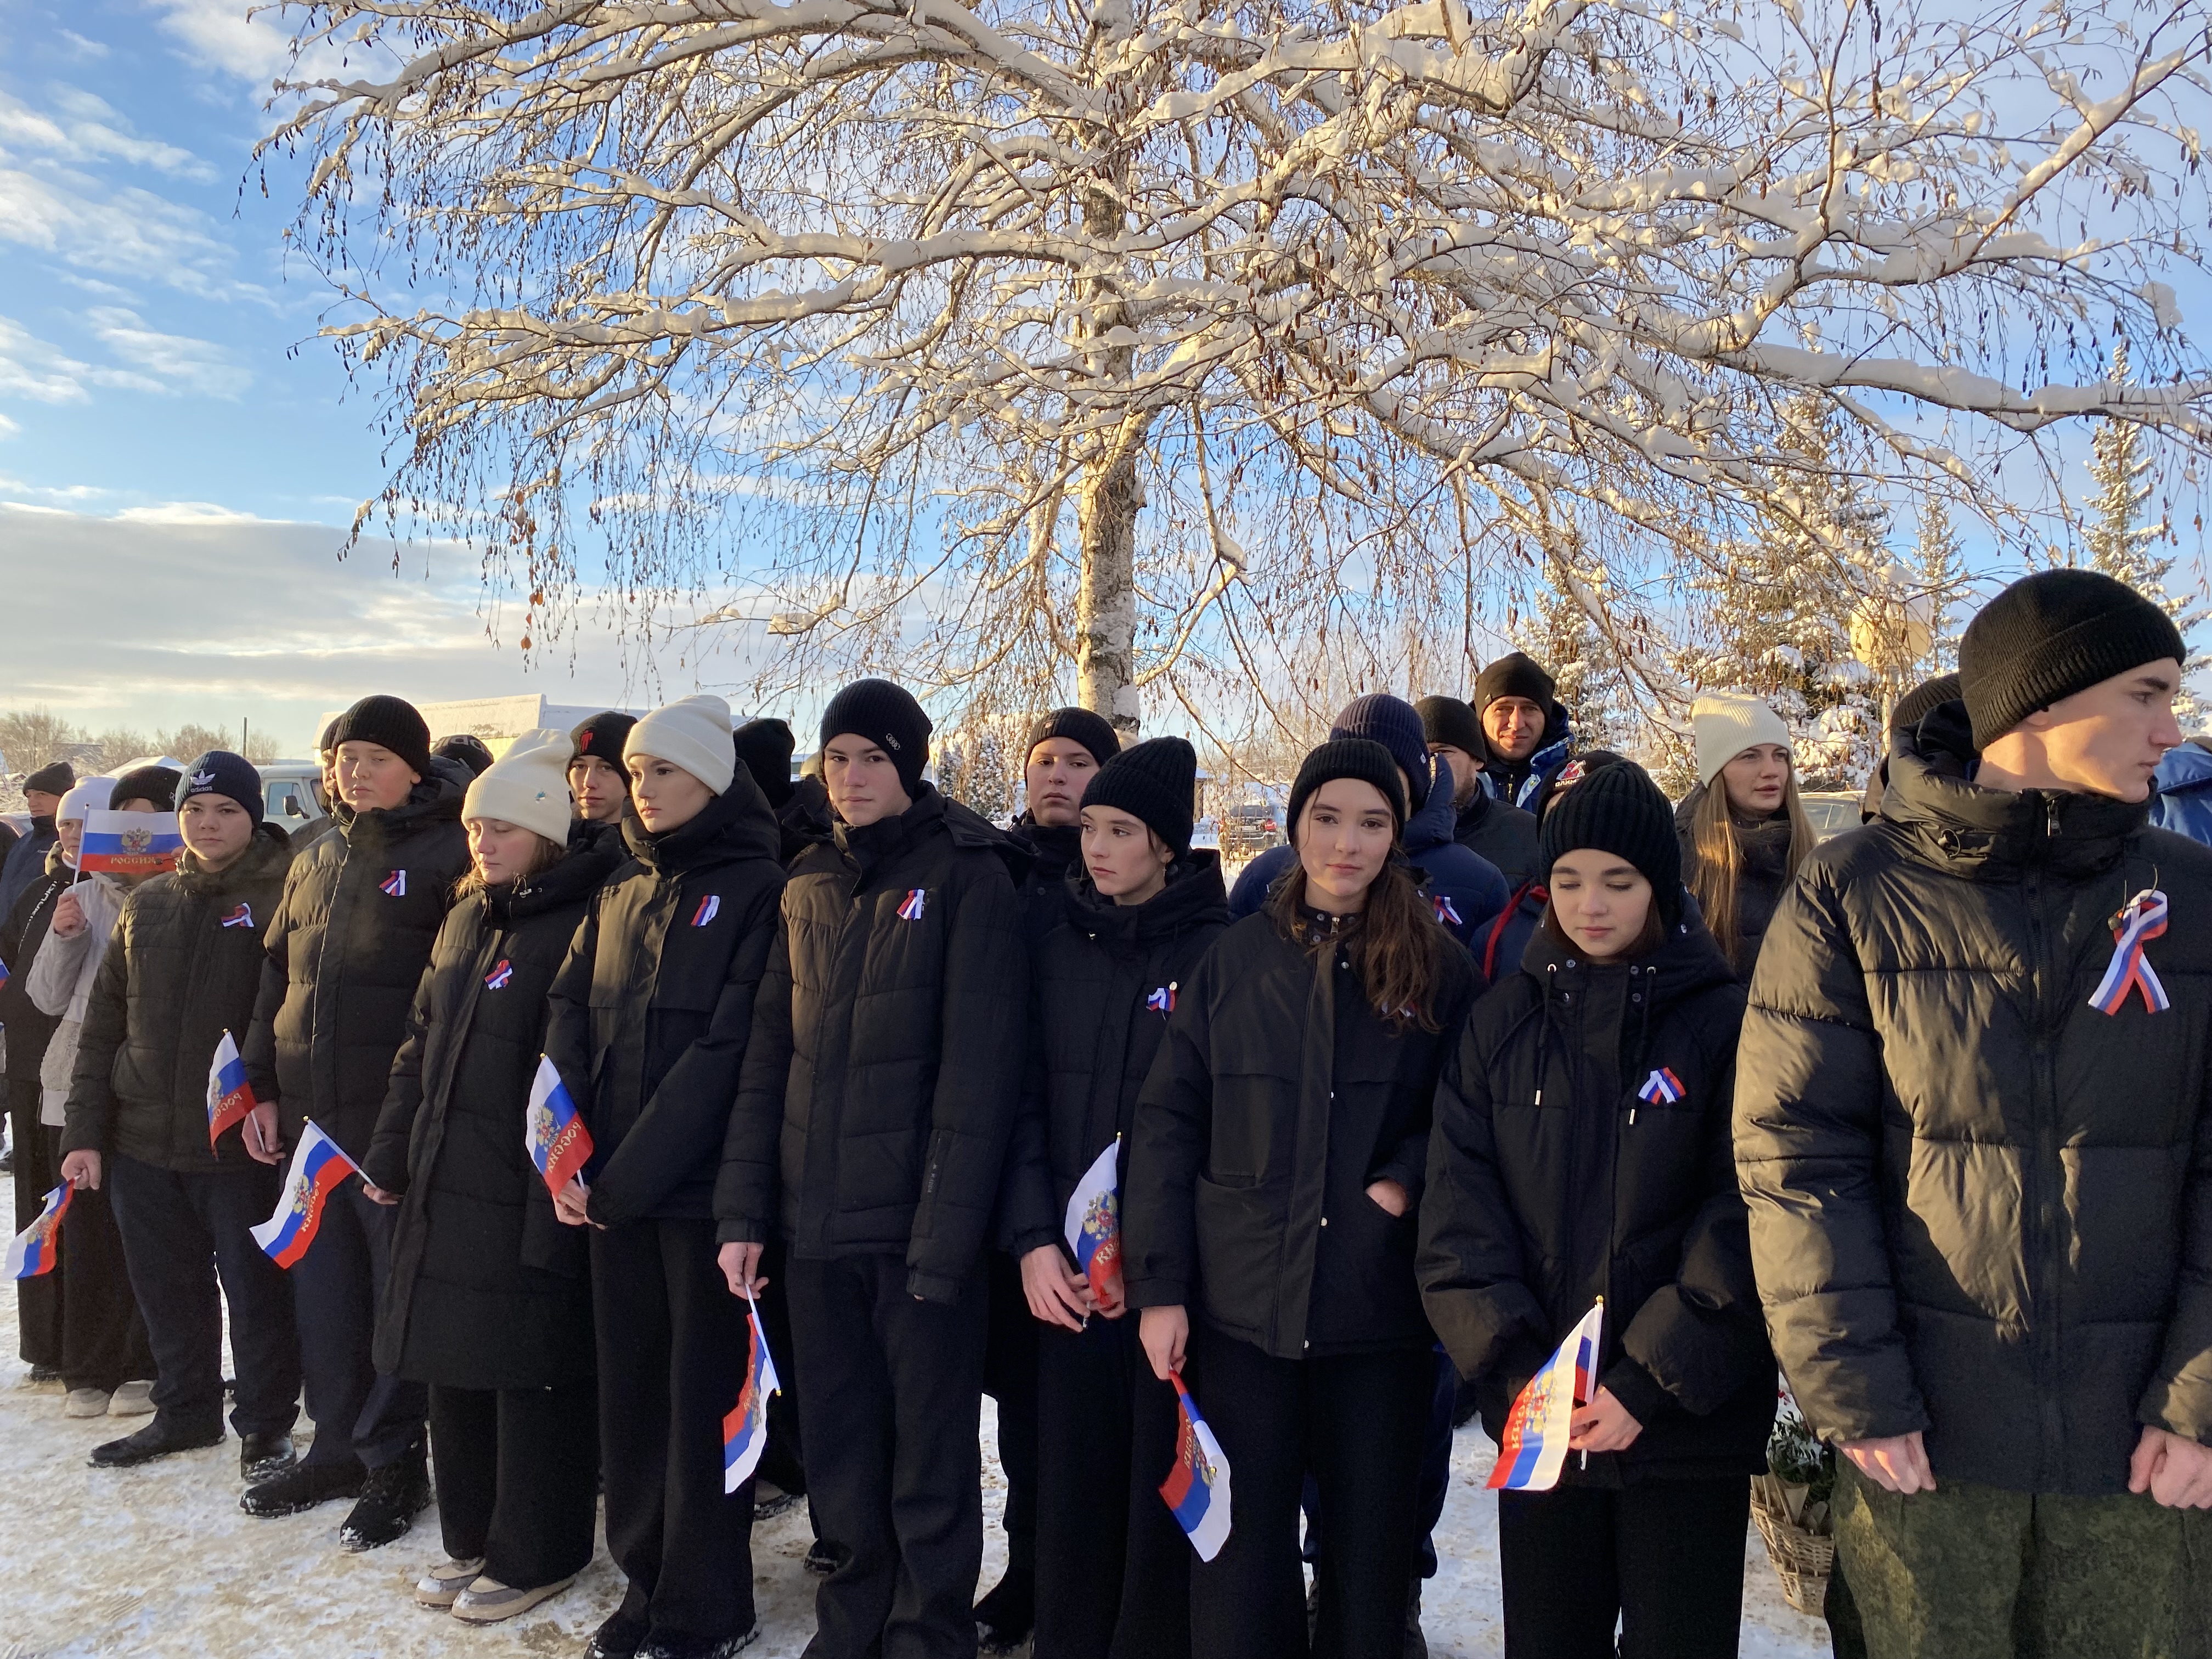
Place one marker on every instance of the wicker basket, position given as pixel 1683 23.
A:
pixel 1803 1555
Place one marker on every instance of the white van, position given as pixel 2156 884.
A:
pixel 288 796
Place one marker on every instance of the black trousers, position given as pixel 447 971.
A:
pixel 1009 1377
pixel 1435 1485
pixel 337 1288
pixel 516 1472
pixel 1357 1421
pixel 891 1407
pixel 1664 1557
pixel 1113 1566
pixel 38 1301
pixel 181 1233
pixel 104 1342
pixel 671 1352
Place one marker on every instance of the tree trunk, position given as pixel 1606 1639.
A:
pixel 1106 602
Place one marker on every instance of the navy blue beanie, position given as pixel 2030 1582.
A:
pixel 219 772
pixel 1396 725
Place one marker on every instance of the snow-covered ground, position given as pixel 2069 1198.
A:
pixel 161 1560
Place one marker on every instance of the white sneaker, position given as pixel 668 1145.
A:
pixel 439 1586
pixel 132 1400
pixel 86 1402
pixel 487 1600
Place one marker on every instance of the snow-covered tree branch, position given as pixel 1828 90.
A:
pixel 1185 340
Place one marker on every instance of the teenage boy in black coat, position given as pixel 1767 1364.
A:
pixel 1113 1568
pixel 361 907
pixel 870 1130
pixel 184 969
pixel 1065 749
pixel 652 1016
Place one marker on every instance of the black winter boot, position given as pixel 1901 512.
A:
pixel 302 1486
pixel 263 1456
pixel 159 1438
pixel 390 1498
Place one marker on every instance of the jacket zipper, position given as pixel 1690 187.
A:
pixel 2045 1105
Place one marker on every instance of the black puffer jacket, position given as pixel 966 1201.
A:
pixel 1980 1207
pixel 1762 874
pixel 488 1287
pixel 1055 851
pixel 346 951
pixel 185 966
pixel 1280 1096
pixel 806 819
pixel 653 1007
pixel 1555 1181
pixel 887 1054
pixel 29 1027
pixel 1503 834
pixel 1095 1030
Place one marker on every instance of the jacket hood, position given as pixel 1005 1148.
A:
pixel 736 823
pixel 1436 823
pixel 1195 895
pixel 1687 960
pixel 579 873
pixel 1056 849
pixel 1947 821
pixel 267 853
pixel 439 795
pixel 2188 768
pixel 886 838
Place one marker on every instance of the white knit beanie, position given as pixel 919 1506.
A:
pixel 528 786
pixel 692 732
pixel 86 795
pixel 1727 723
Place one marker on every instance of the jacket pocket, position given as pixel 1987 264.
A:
pixel 1239 1231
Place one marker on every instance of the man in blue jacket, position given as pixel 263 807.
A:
pixel 1465 888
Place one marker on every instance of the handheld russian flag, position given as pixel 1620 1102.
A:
pixel 745 1430
pixel 1197 1487
pixel 1534 1447
pixel 2143 920
pixel 910 910
pixel 34 1251
pixel 318 1167
pixel 1093 1227
pixel 553 1130
pixel 129 843
pixel 229 1096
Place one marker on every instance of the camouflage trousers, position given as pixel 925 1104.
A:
pixel 1977 1572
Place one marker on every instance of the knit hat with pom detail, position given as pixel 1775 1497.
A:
pixel 886 716
pixel 1348 758
pixel 1396 725
pixel 1153 781
pixel 1619 809
pixel 692 732
pixel 1094 732
pixel 219 772
pixel 391 723
pixel 528 786
pixel 2052 634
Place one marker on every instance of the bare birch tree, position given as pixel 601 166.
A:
pixel 1171 347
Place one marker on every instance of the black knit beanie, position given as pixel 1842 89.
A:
pixel 58 779
pixel 2052 634
pixel 764 748
pixel 1515 674
pixel 1348 758
pixel 1094 732
pixel 391 722
pixel 1447 720
pixel 466 749
pixel 602 737
pixel 1394 723
pixel 219 772
pixel 1619 809
pixel 1913 707
pixel 1153 781
pixel 886 716
pixel 328 741
pixel 157 784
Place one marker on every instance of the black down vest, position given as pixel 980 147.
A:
pixel 1560 1171
pixel 1980 1207
pixel 488 1287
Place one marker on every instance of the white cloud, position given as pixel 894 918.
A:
pixel 126 232
pixel 166 362
pixel 81 47
pixel 86 128
pixel 21 493
pixel 30 368
pixel 187 513
pixel 225 34
pixel 8 428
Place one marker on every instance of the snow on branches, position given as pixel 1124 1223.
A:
pixel 1199 344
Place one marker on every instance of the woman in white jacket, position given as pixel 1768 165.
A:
pixel 107 1362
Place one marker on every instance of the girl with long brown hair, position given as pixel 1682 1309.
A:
pixel 1276 1158
pixel 1743 830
